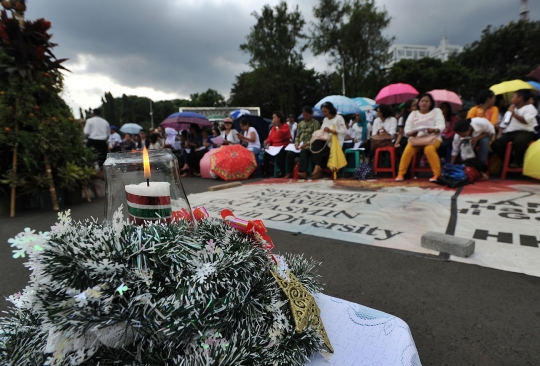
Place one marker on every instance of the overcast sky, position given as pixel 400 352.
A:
pixel 172 48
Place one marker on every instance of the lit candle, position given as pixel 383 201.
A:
pixel 148 201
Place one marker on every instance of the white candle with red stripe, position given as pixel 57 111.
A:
pixel 149 201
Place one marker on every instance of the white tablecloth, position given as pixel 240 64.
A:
pixel 364 336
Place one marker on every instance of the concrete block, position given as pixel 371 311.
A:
pixel 225 186
pixel 448 244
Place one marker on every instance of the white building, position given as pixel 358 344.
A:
pixel 398 52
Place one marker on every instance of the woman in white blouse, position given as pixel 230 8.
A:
pixel 385 123
pixel 333 123
pixel 229 134
pixel 425 121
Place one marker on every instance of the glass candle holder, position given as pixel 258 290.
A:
pixel 155 195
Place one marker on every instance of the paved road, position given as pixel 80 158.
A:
pixel 459 314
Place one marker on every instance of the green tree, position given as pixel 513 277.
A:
pixel 350 33
pixel 275 48
pixel 428 73
pixel 209 98
pixel 505 53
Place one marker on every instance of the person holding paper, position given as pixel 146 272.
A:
pixel 520 130
pixel 229 134
pixel 279 136
pixel 250 136
pixel 423 128
pixel 302 142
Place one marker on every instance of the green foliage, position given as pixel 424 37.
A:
pixel 505 53
pixel 275 48
pixel 350 32
pixel 428 73
pixel 172 294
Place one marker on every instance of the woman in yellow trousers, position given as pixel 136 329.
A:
pixel 424 122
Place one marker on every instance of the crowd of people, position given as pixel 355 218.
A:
pixel 417 126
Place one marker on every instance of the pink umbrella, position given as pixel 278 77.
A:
pixel 205 164
pixel 396 93
pixel 441 95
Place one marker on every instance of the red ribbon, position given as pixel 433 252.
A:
pixel 254 227
pixel 199 213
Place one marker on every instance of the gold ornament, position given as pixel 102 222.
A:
pixel 303 306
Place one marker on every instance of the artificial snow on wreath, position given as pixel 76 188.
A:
pixel 159 294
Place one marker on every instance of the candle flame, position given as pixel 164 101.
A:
pixel 146 163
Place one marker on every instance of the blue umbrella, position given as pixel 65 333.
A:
pixel 239 113
pixel 365 104
pixel 131 128
pixel 343 104
pixel 534 84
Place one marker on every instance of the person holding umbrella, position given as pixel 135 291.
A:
pixel 520 130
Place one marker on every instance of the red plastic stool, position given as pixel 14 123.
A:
pixel 507 156
pixel 392 168
pixel 415 168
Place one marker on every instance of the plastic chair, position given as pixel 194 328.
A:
pixel 506 163
pixel 276 167
pixel 392 169
pixel 357 154
pixel 415 168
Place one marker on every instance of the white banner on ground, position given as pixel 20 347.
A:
pixel 503 219
pixel 394 219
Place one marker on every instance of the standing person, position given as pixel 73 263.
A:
pixel 401 140
pixel 485 107
pixel 427 121
pixel 144 141
pixel 333 123
pixel 97 131
pixel 447 134
pixel 229 134
pixel 478 131
pixel 250 136
pixel 293 126
pixel 127 144
pixel 302 142
pixel 385 123
pixel 280 135
pixel 114 140
pixel 520 130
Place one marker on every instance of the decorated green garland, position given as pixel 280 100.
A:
pixel 161 294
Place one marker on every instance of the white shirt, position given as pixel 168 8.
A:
pixel 231 137
pixel 479 125
pixel 529 113
pixel 432 119
pixel 358 131
pixel 257 143
pixel 293 127
pixel 341 127
pixel 97 128
pixel 389 124
pixel 115 137
pixel 155 146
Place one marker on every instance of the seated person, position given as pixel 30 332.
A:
pixel 360 127
pixel 250 138
pixel 302 142
pixel 127 144
pixel 478 132
pixel 520 130
pixel 280 135
pixel 448 133
pixel 155 143
pixel 229 134
pixel 426 121
pixel 385 123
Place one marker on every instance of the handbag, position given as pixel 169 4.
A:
pixel 420 141
pixel 364 171
pixel 383 139
pixel 320 135
pixel 466 150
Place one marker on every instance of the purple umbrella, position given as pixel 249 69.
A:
pixel 182 120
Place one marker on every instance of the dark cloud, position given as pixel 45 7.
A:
pixel 187 46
